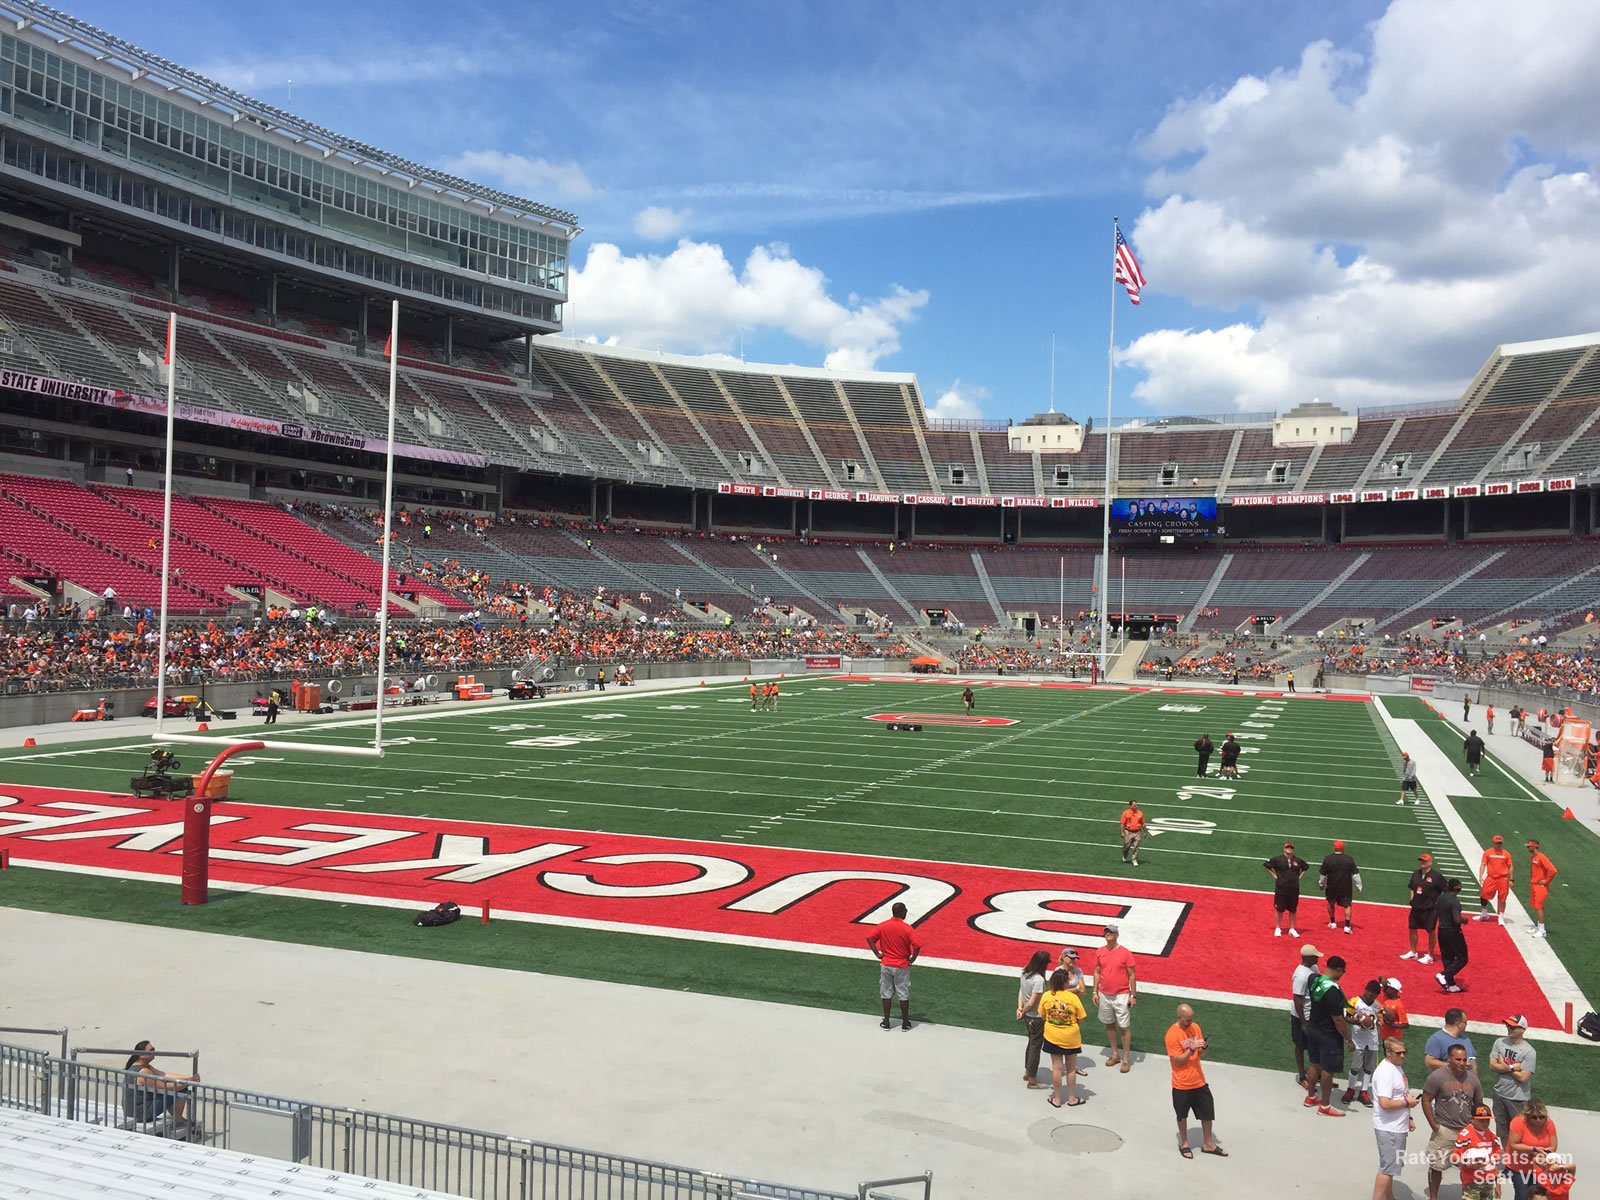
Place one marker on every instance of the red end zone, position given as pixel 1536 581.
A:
pixel 982 919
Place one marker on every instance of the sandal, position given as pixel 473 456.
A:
pixel 1217 1150
pixel 1053 1102
pixel 1185 1151
pixel 1077 1102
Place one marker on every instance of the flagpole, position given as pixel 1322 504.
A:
pixel 388 519
pixel 166 524
pixel 1105 508
pixel 1061 609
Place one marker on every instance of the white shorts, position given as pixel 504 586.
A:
pixel 1115 1010
pixel 894 982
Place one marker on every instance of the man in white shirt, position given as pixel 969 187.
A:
pixel 1298 987
pixel 1391 1116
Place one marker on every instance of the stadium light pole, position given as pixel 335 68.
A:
pixel 166 524
pixel 388 527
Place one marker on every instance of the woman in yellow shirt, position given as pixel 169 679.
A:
pixel 1063 1015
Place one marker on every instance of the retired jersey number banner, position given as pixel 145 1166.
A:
pixel 976 918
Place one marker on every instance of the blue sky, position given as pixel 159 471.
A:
pixel 1327 203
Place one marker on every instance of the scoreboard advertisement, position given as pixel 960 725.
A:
pixel 1164 516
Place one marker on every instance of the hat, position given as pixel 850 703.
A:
pixel 1392 984
pixel 1424 858
pixel 1533 843
pixel 1403 754
pixel 1288 845
pixel 1069 955
pixel 1517 1021
pixel 1110 929
pixel 1339 845
pixel 1310 951
pixel 1497 839
pixel 1483 1113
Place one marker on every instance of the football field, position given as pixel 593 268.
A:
pixel 749 851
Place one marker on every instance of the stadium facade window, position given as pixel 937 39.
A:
pixel 114 119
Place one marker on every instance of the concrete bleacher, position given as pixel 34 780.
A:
pixel 938 579
pixel 1508 587
pixel 1341 464
pixel 1390 580
pixel 1028 579
pixel 1274 582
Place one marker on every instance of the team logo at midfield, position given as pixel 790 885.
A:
pixel 963 720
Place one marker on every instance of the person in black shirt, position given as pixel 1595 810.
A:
pixel 1285 869
pixel 1340 879
pixel 1230 759
pixel 1426 886
pixel 1452 938
pixel 1472 747
pixel 1327 1034
pixel 1202 748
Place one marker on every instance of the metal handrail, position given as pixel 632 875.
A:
pixel 50 1033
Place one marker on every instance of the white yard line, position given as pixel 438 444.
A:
pixel 1548 970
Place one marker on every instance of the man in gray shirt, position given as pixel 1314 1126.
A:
pixel 1408 779
pixel 1513 1060
pixel 1448 1098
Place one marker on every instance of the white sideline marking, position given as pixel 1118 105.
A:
pixel 1547 969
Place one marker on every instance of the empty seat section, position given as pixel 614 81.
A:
pixel 764 407
pixel 1029 579
pixel 937 579
pixel 830 426
pixel 666 422
pixel 1272 583
pixel 1341 463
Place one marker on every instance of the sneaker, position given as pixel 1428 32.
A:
pixel 1309 1102
pixel 1366 1097
pixel 1400 801
pixel 1483 917
pixel 1329 1110
pixel 1294 933
pixel 1349 1095
pixel 1332 925
pixel 1276 932
pixel 1347 928
pixel 1443 982
pixel 1409 954
pixel 883 1024
pixel 906 1025
pixel 1455 987
pixel 1425 959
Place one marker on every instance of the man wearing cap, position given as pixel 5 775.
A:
pixel 1339 878
pixel 1133 823
pixel 1449 1097
pixel 1203 747
pixel 1452 937
pixel 1408 779
pixel 1495 871
pixel 1513 1062
pixel 1477 1153
pixel 1115 995
pixel 1472 748
pixel 1329 1035
pixel 1230 759
pixel 1393 1020
pixel 1426 886
pixel 1286 870
pixel 1540 872
pixel 1299 1009
pixel 1392 1118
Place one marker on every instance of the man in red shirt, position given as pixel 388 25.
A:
pixel 894 944
pixel 1115 996
pixel 1541 871
pixel 1132 832
pixel 1495 870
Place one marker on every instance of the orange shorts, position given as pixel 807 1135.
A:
pixel 1537 894
pixel 1495 889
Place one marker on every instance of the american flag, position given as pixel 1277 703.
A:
pixel 1125 269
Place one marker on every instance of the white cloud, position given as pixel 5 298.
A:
pixel 658 223
pixel 693 301
pixel 1384 220
pixel 959 402
pixel 531 177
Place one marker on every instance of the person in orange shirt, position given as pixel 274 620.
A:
pixel 1477 1152
pixel 1541 871
pixel 1489 716
pixel 1393 1020
pixel 1495 872
pixel 1186 1045
pixel 1133 824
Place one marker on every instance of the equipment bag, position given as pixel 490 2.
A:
pixel 1589 1027
pixel 440 914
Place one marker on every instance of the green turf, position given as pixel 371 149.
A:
pixel 697 764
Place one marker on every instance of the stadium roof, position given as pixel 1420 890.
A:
pixel 1547 345
pixel 722 362
pixel 142 65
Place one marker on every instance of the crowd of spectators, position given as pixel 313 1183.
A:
pixel 63 655
pixel 1223 664
pixel 1572 669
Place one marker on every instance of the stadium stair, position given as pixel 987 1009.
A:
pixel 826 609
pixel 1355 565
pixel 1393 618
pixel 1209 591
pixel 686 410
pixel 1126 668
pixel 894 593
pixel 988 587
pixel 1228 461
pixel 804 428
pixel 1554 456
pixel 1475 393
pixel 1304 477
pixel 861 435
pixel 977 461
pixel 1377 455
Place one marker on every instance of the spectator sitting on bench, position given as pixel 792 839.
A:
pixel 154 1092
